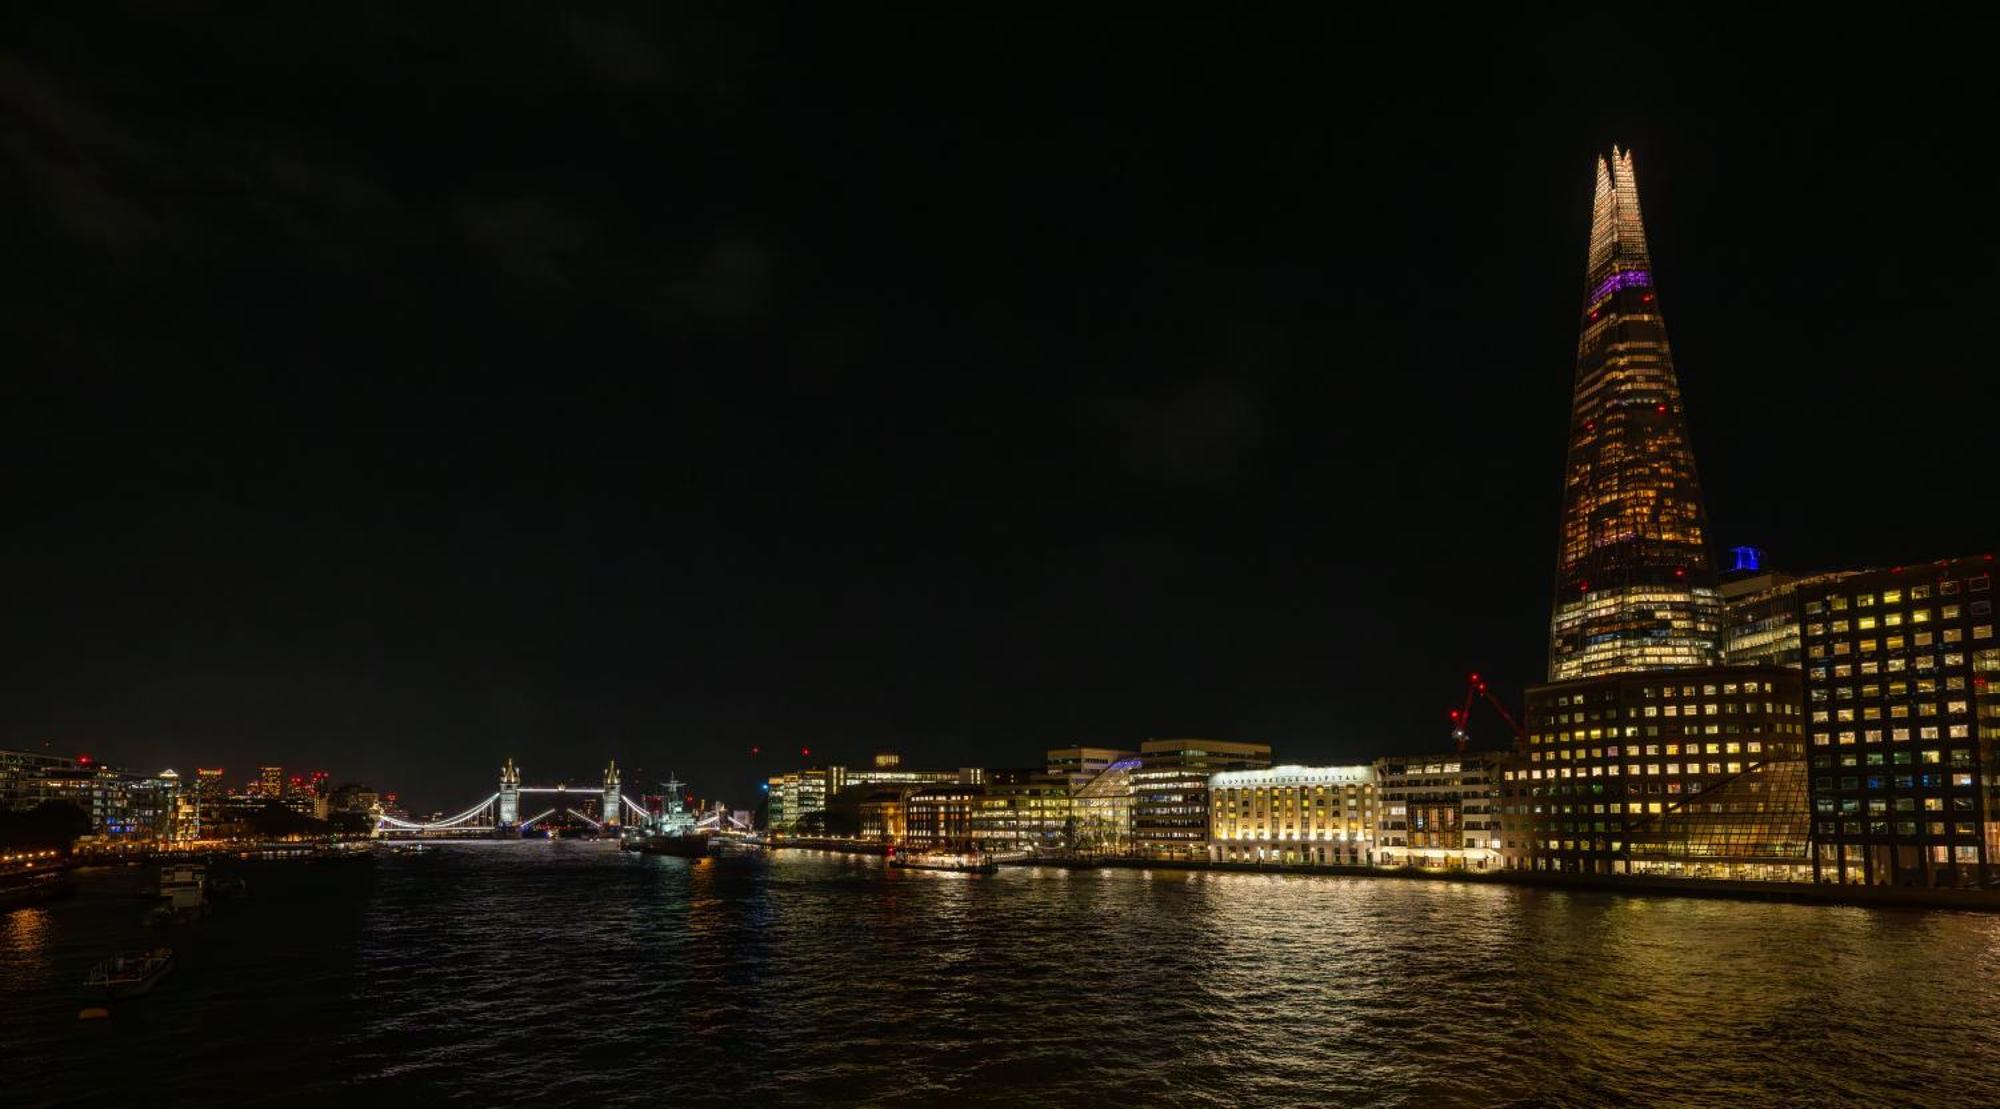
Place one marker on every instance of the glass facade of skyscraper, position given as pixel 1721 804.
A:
pixel 1635 584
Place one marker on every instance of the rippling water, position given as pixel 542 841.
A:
pixel 539 973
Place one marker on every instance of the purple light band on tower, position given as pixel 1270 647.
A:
pixel 1623 279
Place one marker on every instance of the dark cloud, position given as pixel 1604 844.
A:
pixel 1200 435
pixel 536 241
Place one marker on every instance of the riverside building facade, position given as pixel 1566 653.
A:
pixel 1169 791
pixel 1022 810
pixel 1294 815
pixel 939 817
pixel 1685 773
pixel 1635 586
pixel 1900 666
pixel 1440 811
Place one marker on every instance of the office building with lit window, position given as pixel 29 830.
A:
pixel 1635 587
pixel 1900 666
pixel 1440 811
pixel 209 797
pixel 1169 791
pixel 1023 810
pixel 887 769
pixel 20 773
pixel 1685 773
pixel 797 798
pixel 939 817
pixel 1760 611
pixel 122 806
pixel 1293 815
pixel 881 814
pixel 1082 764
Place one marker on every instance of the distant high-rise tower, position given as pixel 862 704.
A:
pixel 1635 587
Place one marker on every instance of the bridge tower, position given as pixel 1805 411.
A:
pixel 611 815
pixel 510 797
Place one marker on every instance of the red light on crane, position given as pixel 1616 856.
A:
pixel 1462 716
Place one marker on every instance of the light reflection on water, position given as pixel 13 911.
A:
pixel 552 972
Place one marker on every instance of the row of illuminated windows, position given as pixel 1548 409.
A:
pixel 1651 731
pixel 1847 738
pixel 1935 830
pixel 1895 619
pixel 1322 803
pixel 1950 660
pixel 1849 760
pixel 1850 806
pixel 1840 602
pixel 1709 708
pixel 1635 770
pixel 1898 688
pixel 1729 708
pixel 1753 747
pixel 1848 784
pixel 1900 642
pixel 1897 711
pixel 1263 789
pixel 1708 689
pixel 1871 667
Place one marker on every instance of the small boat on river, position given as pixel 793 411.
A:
pixel 131 973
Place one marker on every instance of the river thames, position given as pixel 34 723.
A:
pixel 568 972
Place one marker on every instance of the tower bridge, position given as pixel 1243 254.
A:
pixel 500 812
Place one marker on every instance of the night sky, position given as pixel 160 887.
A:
pixel 395 393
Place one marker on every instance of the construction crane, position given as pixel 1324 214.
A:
pixel 1461 718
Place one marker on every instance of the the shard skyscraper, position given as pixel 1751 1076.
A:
pixel 1635 586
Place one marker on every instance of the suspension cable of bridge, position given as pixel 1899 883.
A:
pixel 436 825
